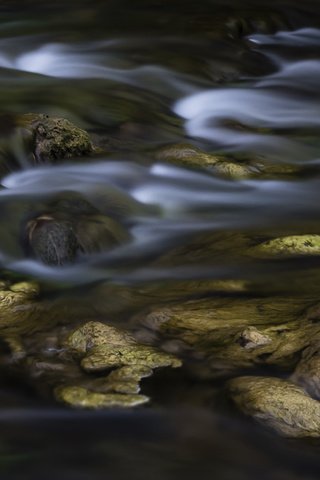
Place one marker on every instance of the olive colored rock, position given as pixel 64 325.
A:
pixel 235 167
pixel 278 404
pixel 84 398
pixel 232 334
pixel 101 347
pixel 307 372
pixel 288 246
pixel 52 138
pixel 187 155
pixel 228 335
pixel 17 304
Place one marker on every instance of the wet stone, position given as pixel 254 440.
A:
pixel 84 398
pixel 100 348
pixel 52 138
pixel 307 372
pixel 277 404
pixel 187 155
pixel 103 346
pixel 288 246
pixel 252 338
pixel 17 303
pixel 236 167
pixel 68 227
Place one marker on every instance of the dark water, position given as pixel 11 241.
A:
pixel 230 77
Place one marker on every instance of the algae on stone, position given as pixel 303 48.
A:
pixel 235 167
pixel 84 398
pixel 52 138
pixel 288 246
pixel 278 404
pixel 68 227
pixel 307 372
pixel 102 347
pixel 17 303
pixel 236 333
pixel 187 155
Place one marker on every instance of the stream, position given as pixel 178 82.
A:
pixel 233 81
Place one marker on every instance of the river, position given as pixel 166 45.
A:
pixel 236 80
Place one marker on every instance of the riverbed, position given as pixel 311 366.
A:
pixel 205 125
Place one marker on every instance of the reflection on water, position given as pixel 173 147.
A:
pixel 241 80
pixel 180 444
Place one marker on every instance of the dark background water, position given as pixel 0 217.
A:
pixel 118 68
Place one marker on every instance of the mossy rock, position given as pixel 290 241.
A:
pixel 232 334
pixel 235 167
pixel 189 156
pixel 288 246
pixel 277 404
pixel 100 348
pixel 41 138
pixel 53 138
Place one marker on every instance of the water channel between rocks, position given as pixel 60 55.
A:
pixel 159 239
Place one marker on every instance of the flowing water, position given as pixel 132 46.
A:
pixel 231 78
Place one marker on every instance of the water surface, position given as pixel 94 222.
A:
pixel 239 80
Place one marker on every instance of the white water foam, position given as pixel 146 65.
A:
pixel 286 99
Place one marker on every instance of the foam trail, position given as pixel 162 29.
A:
pixel 303 37
pixel 303 75
pixel 286 99
pixel 187 203
pixel 206 112
pixel 92 61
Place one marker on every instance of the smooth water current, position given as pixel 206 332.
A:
pixel 238 80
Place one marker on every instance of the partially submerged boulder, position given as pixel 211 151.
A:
pixel 278 404
pixel 238 167
pixel 189 156
pixel 233 334
pixel 101 347
pixel 68 227
pixel 52 138
pixel 35 138
pixel 291 245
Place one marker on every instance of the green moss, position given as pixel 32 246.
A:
pixel 278 404
pixel 53 139
pixel 99 348
pixel 17 303
pixel 84 398
pixel 105 347
pixel 189 156
pixel 287 246
pixel 236 333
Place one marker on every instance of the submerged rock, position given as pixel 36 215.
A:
pixel 187 155
pixel 84 398
pixel 226 337
pixel 68 228
pixel 278 404
pixel 307 372
pixel 233 334
pixel 237 168
pixel 17 304
pixel 35 139
pixel 101 347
